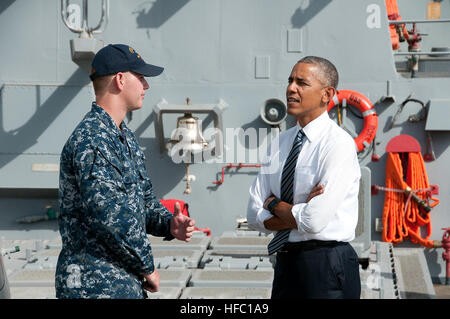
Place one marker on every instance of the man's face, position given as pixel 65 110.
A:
pixel 135 86
pixel 305 93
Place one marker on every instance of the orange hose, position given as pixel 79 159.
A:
pixel 393 14
pixel 403 217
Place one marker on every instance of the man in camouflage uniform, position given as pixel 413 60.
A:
pixel 106 197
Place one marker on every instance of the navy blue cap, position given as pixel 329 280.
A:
pixel 116 58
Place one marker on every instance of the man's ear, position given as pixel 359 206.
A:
pixel 119 80
pixel 328 94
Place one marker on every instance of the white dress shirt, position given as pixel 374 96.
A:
pixel 328 156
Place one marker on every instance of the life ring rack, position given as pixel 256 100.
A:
pixel 363 104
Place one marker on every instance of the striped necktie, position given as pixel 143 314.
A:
pixel 287 193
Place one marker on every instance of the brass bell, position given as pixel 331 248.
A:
pixel 188 134
pixel 189 139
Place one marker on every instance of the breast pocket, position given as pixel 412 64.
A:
pixel 131 177
pixel 107 169
pixel 140 165
pixel 304 182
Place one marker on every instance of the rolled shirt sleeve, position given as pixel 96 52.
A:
pixel 260 190
pixel 338 173
pixel 256 214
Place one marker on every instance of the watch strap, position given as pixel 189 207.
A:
pixel 272 204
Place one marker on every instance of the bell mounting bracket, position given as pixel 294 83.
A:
pixel 215 110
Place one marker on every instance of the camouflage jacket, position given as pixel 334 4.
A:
pixel 107 207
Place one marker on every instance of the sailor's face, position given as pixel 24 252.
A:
pixel 136 85
pixel 304 93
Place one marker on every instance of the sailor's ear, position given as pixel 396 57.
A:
pixel 119 79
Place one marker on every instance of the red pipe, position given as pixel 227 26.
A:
pixel 446 253
pixel 230 166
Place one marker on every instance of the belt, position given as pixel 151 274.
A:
pixel 309 244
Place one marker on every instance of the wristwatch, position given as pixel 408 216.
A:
pixel 272 204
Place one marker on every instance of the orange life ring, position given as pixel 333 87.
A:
pixel 368 112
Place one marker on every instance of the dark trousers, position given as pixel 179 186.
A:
pixel 320 272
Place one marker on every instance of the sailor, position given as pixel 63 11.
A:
pixel 307 193
pixel 106 197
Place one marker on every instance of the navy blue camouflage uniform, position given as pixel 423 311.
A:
pixel 107 208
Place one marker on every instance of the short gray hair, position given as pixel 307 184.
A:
pixel 329 74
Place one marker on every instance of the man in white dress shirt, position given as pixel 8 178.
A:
pixel 316 261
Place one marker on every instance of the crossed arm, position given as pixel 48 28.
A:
pixel 282 212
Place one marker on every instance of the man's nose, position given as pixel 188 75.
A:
pixel 146 86
pixel 290 87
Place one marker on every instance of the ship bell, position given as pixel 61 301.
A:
pixel 188 134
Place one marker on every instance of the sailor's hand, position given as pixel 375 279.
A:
pixel 151 282
pixel 181 226
pixel 317 190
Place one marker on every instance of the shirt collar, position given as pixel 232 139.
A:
pixel 108 121
pixel 314 129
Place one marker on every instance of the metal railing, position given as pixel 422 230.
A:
pixel 432 53
pixel 85 31
pixel 418 21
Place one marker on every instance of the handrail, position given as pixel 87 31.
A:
pixel 418 21
pixel 423 53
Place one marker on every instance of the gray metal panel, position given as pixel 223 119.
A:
pixel 387 270
pixel 37 119
pixel 231 278
pixel 33 292
pixel 240 242
pixel 213 261
pixel 225 293
pixel 414 276
pixel 174 278
pixel 438 115
pixel 380 280
pixel 237 253
pixel 40 117
pixel 165 293
pixel 33 278
pixel 196 243
pixel 187 258
pixel 28 57
pixel 30 171
pixel 434 66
